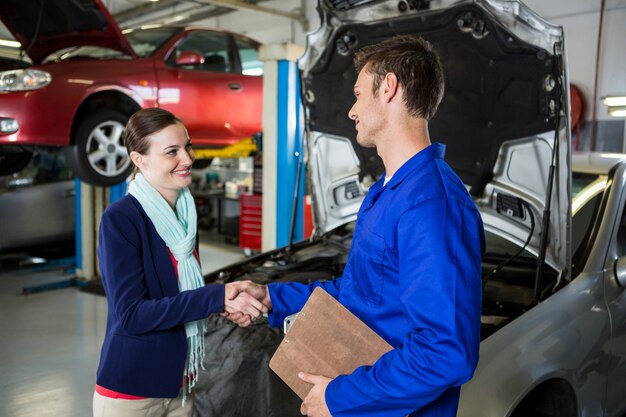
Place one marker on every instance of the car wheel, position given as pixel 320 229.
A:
pixel 98 155
pixel 13 162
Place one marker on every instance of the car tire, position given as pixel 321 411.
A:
pixel 98 155
pixel 10 162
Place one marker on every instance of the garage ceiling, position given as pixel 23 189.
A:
pixel 132 13
pixel 135 13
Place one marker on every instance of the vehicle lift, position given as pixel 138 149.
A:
pixel 283 165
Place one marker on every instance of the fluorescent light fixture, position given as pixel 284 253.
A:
pixel 615 101
pixel 10 44
pixel 617 111
pixel 253 71
pixel 616 105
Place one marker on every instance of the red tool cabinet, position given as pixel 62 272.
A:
pixel 250 218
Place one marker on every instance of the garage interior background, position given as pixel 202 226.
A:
pixel 288 21
pixel 279 22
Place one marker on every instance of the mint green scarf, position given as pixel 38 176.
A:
pixel 178 231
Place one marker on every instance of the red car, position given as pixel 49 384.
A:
pixel 88 77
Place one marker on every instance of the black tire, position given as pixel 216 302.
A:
pixel 12 162
pixel 98 156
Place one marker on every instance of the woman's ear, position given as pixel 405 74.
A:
pixel 137 158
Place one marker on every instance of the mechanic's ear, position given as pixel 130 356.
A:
pixel 390 86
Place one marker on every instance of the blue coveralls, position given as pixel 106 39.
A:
pixel 414 276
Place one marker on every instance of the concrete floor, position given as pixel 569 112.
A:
pixel 51 340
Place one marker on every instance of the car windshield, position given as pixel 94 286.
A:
pixel 92 52
pixel 43 168
pixel 583 182
pixel 146 41
pixel 587 190
pixel 143 41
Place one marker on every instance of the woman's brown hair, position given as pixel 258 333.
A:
pixel 141 125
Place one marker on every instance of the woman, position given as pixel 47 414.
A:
pixel 150 269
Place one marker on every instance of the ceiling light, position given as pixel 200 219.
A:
pixel 615 101
pixel 616 105
pixel 617 111
pixel 11 44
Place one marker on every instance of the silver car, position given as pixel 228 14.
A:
pixel 565 355
pixel 554 318
pixel 37 204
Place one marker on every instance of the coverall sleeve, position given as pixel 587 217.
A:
pixel 289 298
pixel 440 244
pixel 125 283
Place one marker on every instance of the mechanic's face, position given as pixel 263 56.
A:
pixel 366 111
pixel 167 164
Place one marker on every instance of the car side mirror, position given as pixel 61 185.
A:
pixel 189 58
pixel 620 271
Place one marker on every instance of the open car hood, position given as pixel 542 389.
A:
pixel 44 27
pixel 505 72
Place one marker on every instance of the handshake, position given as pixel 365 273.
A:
pixel 245 302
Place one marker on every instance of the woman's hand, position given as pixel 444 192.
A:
pixel 245 302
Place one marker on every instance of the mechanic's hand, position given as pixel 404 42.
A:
pixel 241 307
pixel 258 291
pixel 245 301
pixel 314 404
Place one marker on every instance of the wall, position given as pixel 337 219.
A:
pixel 580 20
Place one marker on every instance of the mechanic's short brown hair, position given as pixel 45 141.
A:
pixel 416 65
pixel 142 124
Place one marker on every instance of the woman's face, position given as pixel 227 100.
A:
pixel 167 164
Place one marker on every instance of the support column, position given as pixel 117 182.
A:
pixel 283 150
pixel 91 201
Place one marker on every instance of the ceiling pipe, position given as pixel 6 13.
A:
pixel 144 9
pixel 163 12
pixel 208 14
pixel 174 16
pixel 244 6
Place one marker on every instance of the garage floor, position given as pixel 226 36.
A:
pixel 51 340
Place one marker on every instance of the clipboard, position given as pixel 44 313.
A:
pixel 325 339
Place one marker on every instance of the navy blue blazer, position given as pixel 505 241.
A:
pixel 145 346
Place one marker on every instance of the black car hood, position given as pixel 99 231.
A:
pixel 504 74
pixel 44 26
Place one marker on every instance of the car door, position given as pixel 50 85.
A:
pixel 217 103
pixel 37 204
pixel 615 296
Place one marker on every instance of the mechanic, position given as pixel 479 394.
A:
pixel 156 297
pixel 414 269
